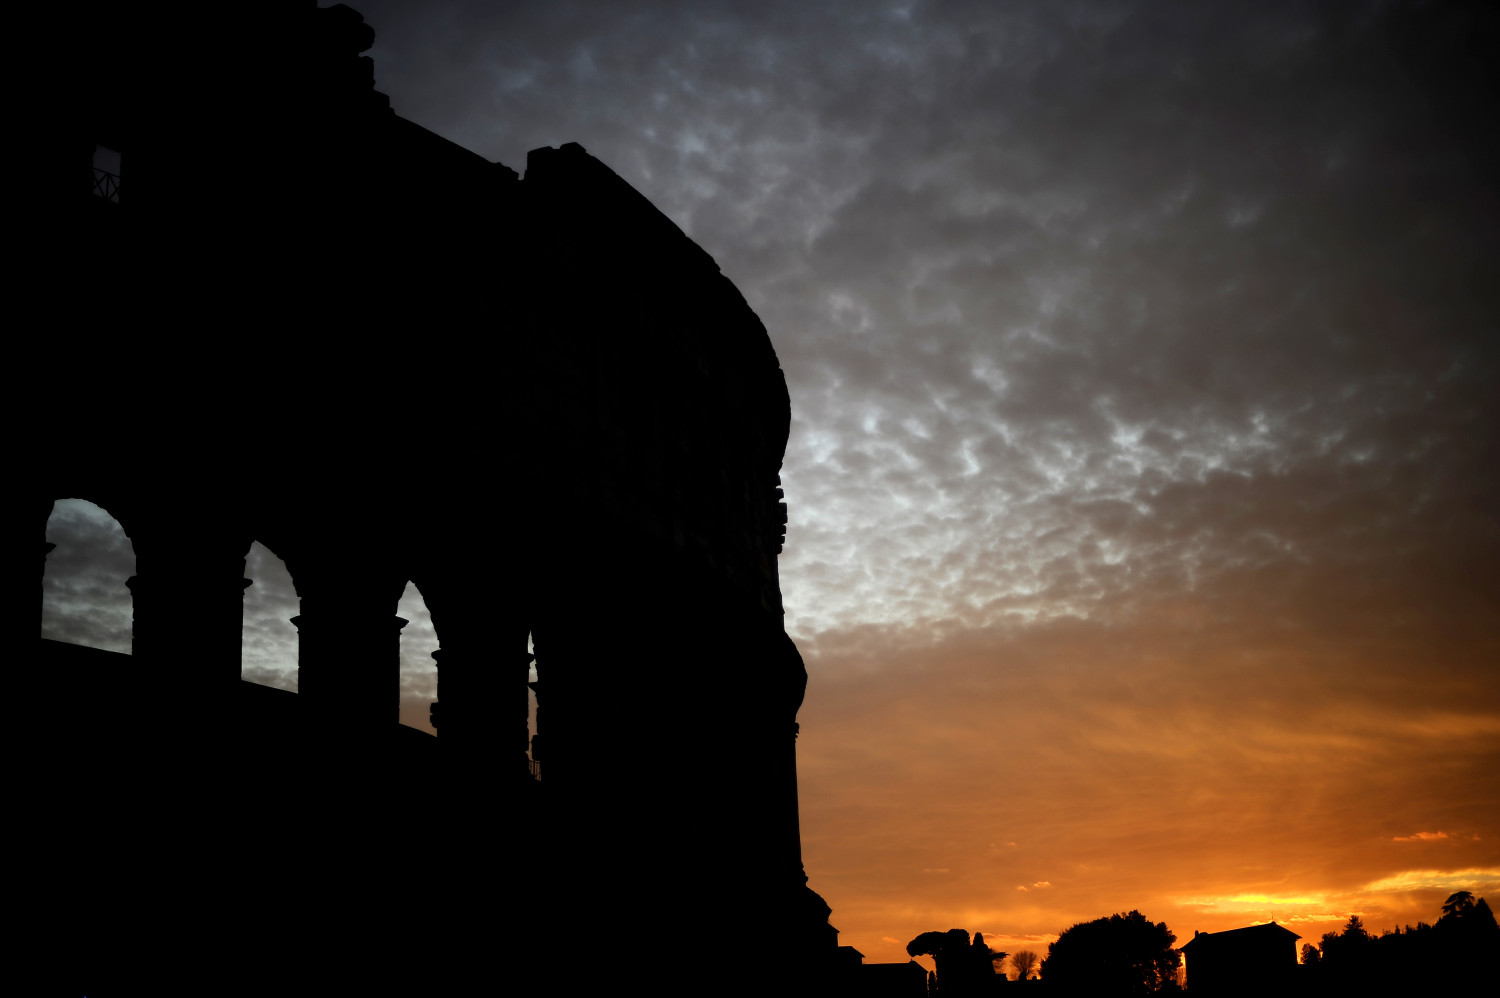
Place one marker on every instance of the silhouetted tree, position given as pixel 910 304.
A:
pixel 1023 963
pixel 1457 955
pixel 1459 903
pixel 963 968
pixel 1348 953
pixel 1310 954
pixel 1328 943
pixel 1404 962
pixel 1117 956
pixel 1468 940
pixel 943 947
pixel 1483 917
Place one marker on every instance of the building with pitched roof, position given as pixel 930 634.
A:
pixel 1256 959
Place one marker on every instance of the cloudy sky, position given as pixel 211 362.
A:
pixel 1144 459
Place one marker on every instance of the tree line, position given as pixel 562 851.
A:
pixel 1127 955
pixel 1460 951
pixel 1121 955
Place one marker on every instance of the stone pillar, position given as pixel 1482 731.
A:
pixel 349 669
pixel 482 708
pixel 190 625
pixel 189 609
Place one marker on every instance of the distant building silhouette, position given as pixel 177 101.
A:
pixel 891 980
pixel 300 319
pixel 1255 960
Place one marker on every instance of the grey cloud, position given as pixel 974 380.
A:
pixel 418 669
pixel 84 598
pixel 269 644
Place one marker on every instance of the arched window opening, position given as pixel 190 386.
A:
pixel 268 641
pixel 418 670
pixel 84 598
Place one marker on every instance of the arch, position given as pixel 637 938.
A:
pixel 84 598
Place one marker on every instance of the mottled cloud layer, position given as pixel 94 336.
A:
pixel 1045 278
pixel 1144 455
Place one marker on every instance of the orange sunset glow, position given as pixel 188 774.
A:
pixel 1144 471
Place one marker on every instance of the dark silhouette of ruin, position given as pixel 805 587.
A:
pixel 278 298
